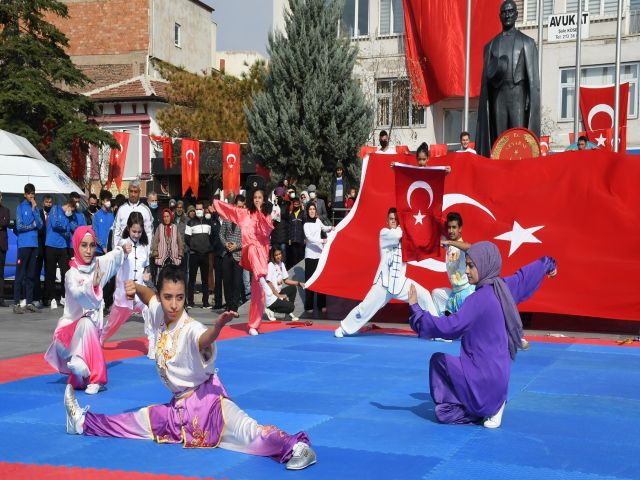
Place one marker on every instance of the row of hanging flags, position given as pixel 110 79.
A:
pixel 189 159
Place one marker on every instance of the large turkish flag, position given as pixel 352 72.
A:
pixel 117 159
pixel 230 169
pixel 597 109
pixel 579 207
pixel 190 166
pixel 419 202
pixel 435 35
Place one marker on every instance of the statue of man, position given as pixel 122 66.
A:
pixel 510 91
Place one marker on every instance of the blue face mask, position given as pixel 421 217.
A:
pixel 153 205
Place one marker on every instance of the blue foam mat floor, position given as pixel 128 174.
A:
pixel 573 413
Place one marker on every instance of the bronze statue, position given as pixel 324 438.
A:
pixel 510 91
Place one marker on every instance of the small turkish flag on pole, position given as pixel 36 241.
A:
pixel 117 159
pixel 419 193
pixel 544 145
pixel 230 169
pixel 190 166
pixel 596 107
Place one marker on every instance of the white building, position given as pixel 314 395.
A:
pixel 377 29
pixel 236 63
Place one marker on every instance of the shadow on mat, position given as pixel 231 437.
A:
pixel 423 410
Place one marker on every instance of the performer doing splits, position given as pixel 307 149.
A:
pixel 201 414
pixel 76 348
pixel 390 281
pixel 256 226
pixel 472 388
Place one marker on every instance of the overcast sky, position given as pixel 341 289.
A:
pixel 242 24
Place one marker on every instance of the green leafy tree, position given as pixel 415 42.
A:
pixel 312 114
pixel 38 82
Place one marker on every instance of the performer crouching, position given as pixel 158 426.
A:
pixel 76 348
pixel 201 414
pixel 472 388
pixel 390 281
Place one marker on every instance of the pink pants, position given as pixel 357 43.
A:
pixel 256 309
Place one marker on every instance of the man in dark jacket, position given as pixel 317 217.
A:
pixel 295 253
pixel 5 218
pixel 41 299
pixel 280 216
pixel 217 250
pixel 339 190
pixel 197 236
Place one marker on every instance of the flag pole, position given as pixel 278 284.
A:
pixel 616 104
pixel 576 99
pixel 465 120
pixel 540 40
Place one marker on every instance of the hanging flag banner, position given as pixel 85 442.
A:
pixel 597 109
pixel 117 159
pixel 190 166
pixel 230 169
pixel 167 150
pixel 78 161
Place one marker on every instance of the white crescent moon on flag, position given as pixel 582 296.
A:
pixel 229 157
pixel 600 108
pixel 417 185
pixel 190 151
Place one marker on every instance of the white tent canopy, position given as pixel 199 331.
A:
pixel 21 163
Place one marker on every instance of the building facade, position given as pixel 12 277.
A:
pixel 376 28
pixel 115 43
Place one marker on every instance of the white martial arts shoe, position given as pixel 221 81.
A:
pixel 303 456
pixel 75 414
pixel 53 304
pixel 339 333
pixel 293 318
pixel 253 331
pixel 271 316
pixel 525 344
pixel 93 388
pixel 78 368
pixel 495 420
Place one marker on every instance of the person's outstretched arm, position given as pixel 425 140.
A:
pixel 210 334
pixel 145 294
pixel 528 279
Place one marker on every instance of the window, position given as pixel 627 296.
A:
pixel 453 125
pixel 532 11
pixel 177 35
pixel 391 17
pixel 594 7
pixel 600 75
pixel 355 18
pixel 394 106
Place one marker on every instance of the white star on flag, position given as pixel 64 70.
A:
pixel 602 140
pixel 518 235
pixel 419 217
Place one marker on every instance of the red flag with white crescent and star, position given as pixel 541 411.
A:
pixel 117 159
pixel 167 150
pixel 570 207
pixel 230 168
pixel 190 166
pixel 419 193
pixel 597 109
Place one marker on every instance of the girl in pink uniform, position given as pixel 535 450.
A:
pixel 256 226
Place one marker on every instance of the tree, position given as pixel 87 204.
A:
pixel 38 82
pixel 312 114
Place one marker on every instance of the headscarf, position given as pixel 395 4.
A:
pixel 487 259
pixel 167 227
pixel 77 261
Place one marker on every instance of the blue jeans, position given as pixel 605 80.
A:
pixel 25 273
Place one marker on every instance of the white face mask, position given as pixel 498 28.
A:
pixel 207 216
pixel 292 195
pixel 68 213
pixel 199 213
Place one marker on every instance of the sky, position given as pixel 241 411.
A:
pixel 242 24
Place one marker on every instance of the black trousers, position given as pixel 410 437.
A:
pixel 232 280
pixel 217 280
pixel 285 306
pixel 199 261
pixel 3 258
pixel 310 265
pixel 25 271
pixel 37 284
pixel 54 258
pixel 295 254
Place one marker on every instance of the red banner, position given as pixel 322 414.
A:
pixel 230 168
pixel 117 159
pixel 597 109
pixel 167 150
pixel 190 166
pixel 419 203
pixel 78 161
pixel 544 145
pixel 526 207
pixel 435 35
pixel 366 150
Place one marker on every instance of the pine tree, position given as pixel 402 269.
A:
pixel 312 114
pixel 38 81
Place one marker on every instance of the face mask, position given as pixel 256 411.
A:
pixel 153 205
pixel 384 143
pixel 312 195
pixel 208 216
pixel 68 213
pixel 199 213
pixel 47 209
pixel 93 208
pixel 106 204
pixel 78 207
pixel 292 195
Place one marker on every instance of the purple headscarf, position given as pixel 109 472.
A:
pixel 487 259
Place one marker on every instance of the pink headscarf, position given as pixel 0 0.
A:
pixel 78 235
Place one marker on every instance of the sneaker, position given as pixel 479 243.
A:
pixel 54 304
pixel 78 368
pixel 75 414
pixel 31 308
pixel 37 304
pixel 293 318
pixel 253 331
pixel 271 316
pixel 206 306
pixel 339 333
pixel 495 420
pixel 62 301
pixel 93 388
pixel 303 456
pixel 17 309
